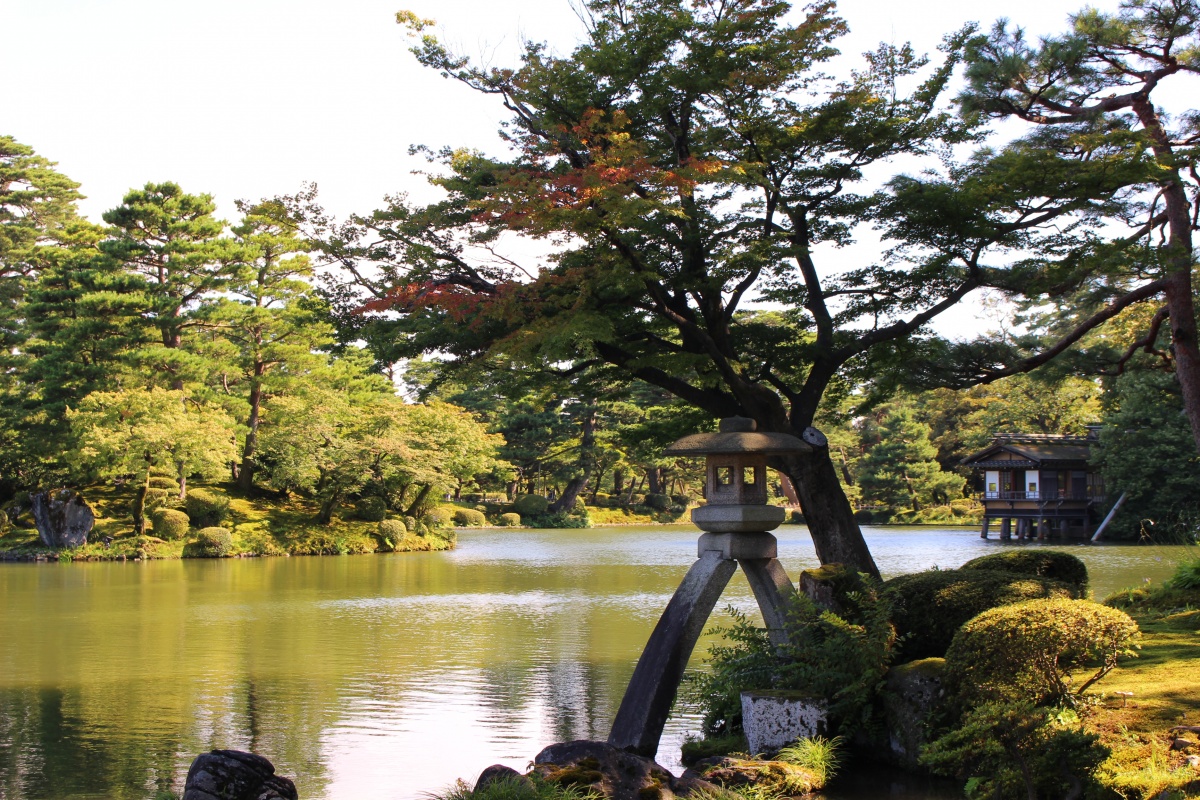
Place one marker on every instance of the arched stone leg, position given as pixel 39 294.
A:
pixel 774 592
pixel 643 713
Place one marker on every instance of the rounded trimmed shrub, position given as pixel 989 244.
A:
pixel 929 607
pixel 437 517
pixel 1027 651
pixel 658 502
pixel 601 499
pixel 206 509
pixel 411 524
pixel 169 523
pixel 210 542
pixel 163 482
pixel 1053 564
pixel 510 520
pixel 370 509
pixel 393 529
pixel 530 505
pixel 469 518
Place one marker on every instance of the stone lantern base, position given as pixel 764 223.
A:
pixel 738 518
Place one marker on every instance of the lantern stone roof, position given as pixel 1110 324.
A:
pixel 738 436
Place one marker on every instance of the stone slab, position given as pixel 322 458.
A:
pixel 776 719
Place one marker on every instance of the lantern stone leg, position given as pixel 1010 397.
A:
pixel 639 722
pixel 735 520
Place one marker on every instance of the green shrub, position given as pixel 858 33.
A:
pixel 1028 651
pixel 437 517
pixel 1015 750
pixel 929 607
pixel 370 509
pixel 530 505
pixel 163 482
pixel 169 523
pixel 680 499
pixel 156 498
pixel 533 787
pixel 410 523
pixel 1187 576
pixel 601 499
pixel 392 528
pixel 4 524
pixel 659 502
pixel 210 543
pixel 206 509
pixel 797 518
pixel 864 516
pixel 469 518
pixel 510 520
pixel 392 531
pixel 1053 564
pixel 838 658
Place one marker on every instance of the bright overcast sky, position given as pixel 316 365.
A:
pixel 249 98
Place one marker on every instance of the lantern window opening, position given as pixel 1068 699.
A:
pixel 724 476
pixel 749 476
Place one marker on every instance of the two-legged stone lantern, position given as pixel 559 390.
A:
pixel 735 520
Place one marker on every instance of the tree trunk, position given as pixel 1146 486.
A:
pixel 654 475
pixel 587 463
pixel 419 501
pixel 618 481
pixel 139 502
pixel 835 533
pixel 245 477
pixel 181 472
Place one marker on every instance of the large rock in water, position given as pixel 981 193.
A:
pixel 234 775
pixel 614 774
pixel 62 518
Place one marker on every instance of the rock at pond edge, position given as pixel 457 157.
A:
pixel 236 775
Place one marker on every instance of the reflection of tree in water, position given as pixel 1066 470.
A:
pixel 283 717
pixel 53 746
pixel 574 697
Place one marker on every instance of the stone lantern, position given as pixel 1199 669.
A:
pixel 735 521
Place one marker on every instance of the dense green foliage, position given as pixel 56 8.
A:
pixel 1053 564
pixel 1029 651
pixel 1146 452
pixel 930 607
pixel 370 509
pixel 206 509
pixel 169 523
pixel 1018 750
pixel 524 788
pixel 210 543
pixel 837 658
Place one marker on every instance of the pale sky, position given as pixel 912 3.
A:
pixel 249 98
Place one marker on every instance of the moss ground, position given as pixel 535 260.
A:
pixel 1164 686
pixel 261 526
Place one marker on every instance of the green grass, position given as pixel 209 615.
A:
pixel 260 525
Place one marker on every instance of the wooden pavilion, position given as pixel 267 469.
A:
pixel 1043 483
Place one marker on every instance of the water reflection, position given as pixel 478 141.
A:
pixel 364 677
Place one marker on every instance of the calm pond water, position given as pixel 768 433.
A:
pixel 370 677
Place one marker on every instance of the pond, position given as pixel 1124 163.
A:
pixel 371 677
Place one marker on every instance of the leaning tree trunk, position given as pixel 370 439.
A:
pixel 835 533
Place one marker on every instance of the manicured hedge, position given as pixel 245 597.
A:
pixel 210 543
pixel 530 505
pixel 1053 564
pixel 929 607
pixel 469 518
pixel 169 523
pixel 510 520
pixel 1028 651
pixel 206 509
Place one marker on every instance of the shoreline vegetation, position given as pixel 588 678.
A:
pixel 259 524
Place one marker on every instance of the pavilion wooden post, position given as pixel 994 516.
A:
pixel 736 522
